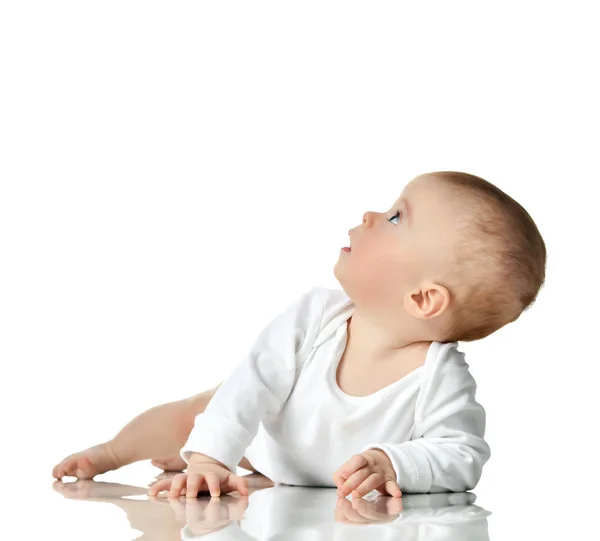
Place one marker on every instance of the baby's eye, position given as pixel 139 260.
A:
pixel 397 214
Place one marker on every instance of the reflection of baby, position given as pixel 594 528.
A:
pixel 285 512
pixel 361 388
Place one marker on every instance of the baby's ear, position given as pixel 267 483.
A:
pixel 428 301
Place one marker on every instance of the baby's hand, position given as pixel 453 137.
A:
pixel 365 472
pixel 202 472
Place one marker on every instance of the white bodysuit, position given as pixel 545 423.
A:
pixel 282 408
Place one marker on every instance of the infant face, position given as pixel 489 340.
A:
pixel 393 251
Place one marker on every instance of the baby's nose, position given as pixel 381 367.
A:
pixel 368 216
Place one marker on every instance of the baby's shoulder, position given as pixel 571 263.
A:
pixel 336 308
pixel 449 367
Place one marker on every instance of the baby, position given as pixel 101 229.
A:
pixel 362 388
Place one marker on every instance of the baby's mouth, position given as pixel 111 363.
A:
pixel 348 248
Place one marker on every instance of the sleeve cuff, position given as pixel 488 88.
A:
pixel 411 475
pixel 217 437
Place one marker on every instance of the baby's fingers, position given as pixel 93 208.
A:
pixel 194 482
pixel 178 484
pixel 214 484
pixel 238 483
pixel 163 484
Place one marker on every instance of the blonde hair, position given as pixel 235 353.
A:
pixel 500 259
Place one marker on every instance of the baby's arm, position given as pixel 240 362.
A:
pixel 260 384
pixel 448 452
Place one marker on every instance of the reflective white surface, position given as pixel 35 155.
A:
pixel 270 512
pixel 510 503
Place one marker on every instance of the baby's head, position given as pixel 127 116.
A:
pixel 455 258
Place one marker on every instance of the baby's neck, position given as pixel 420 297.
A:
pixel 375 344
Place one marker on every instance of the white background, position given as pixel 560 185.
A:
pixel 173 174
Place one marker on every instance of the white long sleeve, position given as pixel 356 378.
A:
pixel 448 450
pixel 259 385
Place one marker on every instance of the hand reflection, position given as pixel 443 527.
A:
pixel 87 489
pixel 366 511
pixel 281 509
pixel 204 515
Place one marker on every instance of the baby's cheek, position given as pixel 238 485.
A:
pixel 381 282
